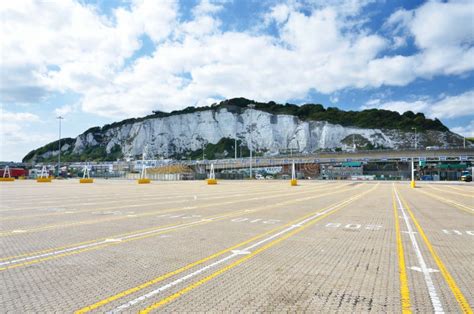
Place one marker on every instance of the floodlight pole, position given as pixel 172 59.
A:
pixel 251 106
pixel 235 140
pixel 235 149
pixel 416 140
pixel 59 145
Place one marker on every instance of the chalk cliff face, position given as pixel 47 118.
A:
pixel 177 134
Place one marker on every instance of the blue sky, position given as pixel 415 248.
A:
pixel 100 61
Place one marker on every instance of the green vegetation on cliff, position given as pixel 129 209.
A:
pixel 370 119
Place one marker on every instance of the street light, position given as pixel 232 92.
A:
pixel 59 145
pixel 251 106
pixel 412 183
pixel 416 140
pixel 235 140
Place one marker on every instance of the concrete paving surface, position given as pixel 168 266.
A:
pixel 238 246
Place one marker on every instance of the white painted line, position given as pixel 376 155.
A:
pixel 171 284
pixel 113 240
pixel 431 270
pixel 233 254
pixel 435 301
pixel 80 247
pixel 18 231
pixel 240 252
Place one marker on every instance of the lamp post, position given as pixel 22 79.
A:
pixel 416 140
pixel 251 106
pixel 235 140
pixel 412 183
pixel 59 144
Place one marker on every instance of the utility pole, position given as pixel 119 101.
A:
pixel 251 106
pixel 235 140
pixel 59 145
pixel 416 140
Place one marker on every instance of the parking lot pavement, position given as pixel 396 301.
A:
pixel 238 246
pixel 449 230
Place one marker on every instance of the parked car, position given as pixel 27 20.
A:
pixel 466 176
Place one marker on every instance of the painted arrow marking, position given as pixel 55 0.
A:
pixel 430 270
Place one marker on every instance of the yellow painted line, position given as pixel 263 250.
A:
pixel 451 192
pixel 196 263
pixel 150 229
pixel 460 206
pixel 94 197
pixel 181 200
pixel 465 307
pixel 404 289
pixel 459 189
pixel 239 261
pixel 207 196
pixel 39 260
pixel 167 275
pixel 214 217
pixel 95 221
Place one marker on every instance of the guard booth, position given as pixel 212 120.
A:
pixel 451 172
pixel 444 171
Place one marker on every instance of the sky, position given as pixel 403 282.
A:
pixel 99 61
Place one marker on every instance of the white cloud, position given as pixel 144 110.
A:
pixel 399 106
pixel 279 13
pixel 65 110
pixel 14 133
pixel 444 33
pixel 67 46
pixel 14 117
pixel 447 107
pixel 467 130
pixel 206 7
pixel 454 106
pixel 72 47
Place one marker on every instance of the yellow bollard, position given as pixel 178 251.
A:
pixel 86 180
pixel 412 184
pixel 44 180
pixel 211 181
pixel 293 182
pixel 7 179
pixel 144 181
